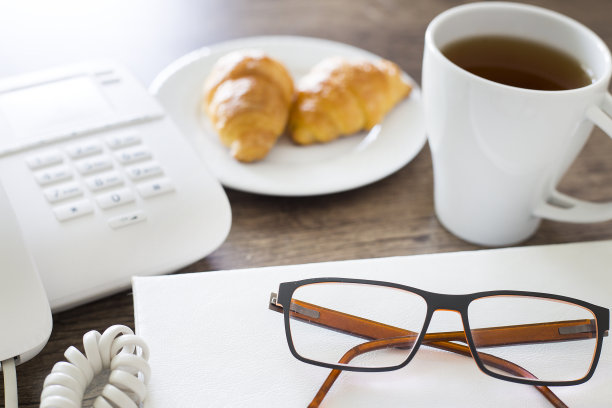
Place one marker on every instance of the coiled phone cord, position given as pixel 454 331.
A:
pixel 117 350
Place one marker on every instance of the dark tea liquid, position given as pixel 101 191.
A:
pixel 518 62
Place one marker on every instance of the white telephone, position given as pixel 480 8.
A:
pixel 96 185
pixel 101 182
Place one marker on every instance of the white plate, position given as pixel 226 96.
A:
pixel 291 170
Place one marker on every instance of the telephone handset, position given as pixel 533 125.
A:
pixel 25 316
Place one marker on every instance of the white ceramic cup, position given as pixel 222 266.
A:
pixel 499 151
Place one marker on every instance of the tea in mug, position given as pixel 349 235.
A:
pixel 518 62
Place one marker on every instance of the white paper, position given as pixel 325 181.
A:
pixel 215 343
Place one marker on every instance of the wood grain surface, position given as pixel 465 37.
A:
pixel 394 216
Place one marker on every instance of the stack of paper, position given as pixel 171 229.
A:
pixel 215 343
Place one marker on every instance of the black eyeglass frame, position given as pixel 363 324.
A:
pixel 458 303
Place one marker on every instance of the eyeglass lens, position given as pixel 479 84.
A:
pixel 535 334
pixel 342 308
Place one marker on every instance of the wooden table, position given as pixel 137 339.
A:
pixel 394 216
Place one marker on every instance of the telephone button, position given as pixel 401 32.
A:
pixel 132 155
pixel 144 170
pixel 103 181
pixel 127 219
pixel 55 194
pixel 115 198
pixel 123 140
pixel 53 175
pixel 73 210
pixel 93 165
pixel 155 187
pixel 84 149
pixel 44 159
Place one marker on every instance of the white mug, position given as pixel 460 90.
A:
pixel 499 151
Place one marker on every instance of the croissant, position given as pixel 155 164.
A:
pixel 340 97
pixel 247 97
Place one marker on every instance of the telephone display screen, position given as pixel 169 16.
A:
pixel 53 107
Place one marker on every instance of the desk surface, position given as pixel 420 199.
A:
pixel 392 217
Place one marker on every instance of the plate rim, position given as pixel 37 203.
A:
pixel 175 67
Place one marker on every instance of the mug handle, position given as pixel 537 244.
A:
pixel 561 207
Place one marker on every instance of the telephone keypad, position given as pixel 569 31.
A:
pixel 110 173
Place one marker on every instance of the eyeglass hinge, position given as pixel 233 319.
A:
pixel 273 305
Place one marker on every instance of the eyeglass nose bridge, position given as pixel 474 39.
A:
pixel 442 301
pixel 451 303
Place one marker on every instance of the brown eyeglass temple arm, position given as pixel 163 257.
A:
pixel 408 341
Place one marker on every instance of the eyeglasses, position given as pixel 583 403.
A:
pixel 362 325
